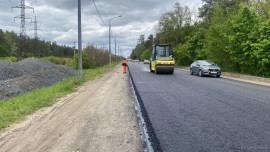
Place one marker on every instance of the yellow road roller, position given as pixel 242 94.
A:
pixel 162 60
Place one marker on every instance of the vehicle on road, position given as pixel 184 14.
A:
pixel 162 60
pixel 205 67
pixel 146 61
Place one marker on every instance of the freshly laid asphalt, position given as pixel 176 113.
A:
pixel 204 114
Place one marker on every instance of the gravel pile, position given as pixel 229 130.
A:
pixel 21 77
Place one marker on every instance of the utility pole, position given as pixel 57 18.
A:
pixel 79 40
pixel 110 60
pixel 115 50
pixel 36 36
pixel 118 52
pixel 74 48
pixel 35 27
pixel 110 38
pixel 23 17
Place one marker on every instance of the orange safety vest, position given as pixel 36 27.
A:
pixel 124 65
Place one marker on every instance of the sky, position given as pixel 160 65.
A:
pixel 58 20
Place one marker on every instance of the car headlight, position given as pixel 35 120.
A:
pixel 219 69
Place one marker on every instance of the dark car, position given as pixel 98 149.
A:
pixel 204 67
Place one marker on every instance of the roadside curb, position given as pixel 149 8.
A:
pixel 148 136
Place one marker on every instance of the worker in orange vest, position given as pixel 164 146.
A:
pixel 124 65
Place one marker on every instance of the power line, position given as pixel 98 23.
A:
pixel 22 17
pixel 74 48
pixel 36 36
pixel 99 13
pixel 35 27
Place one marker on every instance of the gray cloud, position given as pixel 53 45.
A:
pixel 59 19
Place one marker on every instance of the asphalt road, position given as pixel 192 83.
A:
pixel 204 114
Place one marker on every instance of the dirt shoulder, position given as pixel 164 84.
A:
pixel 99 117
pixel 239 77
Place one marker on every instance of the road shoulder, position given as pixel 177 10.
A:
pixel 239 77
pixel 100 116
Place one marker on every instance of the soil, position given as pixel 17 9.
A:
pixel 99 117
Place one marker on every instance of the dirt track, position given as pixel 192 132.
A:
pixel 99 117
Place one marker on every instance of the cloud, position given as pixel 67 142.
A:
pixel 58 19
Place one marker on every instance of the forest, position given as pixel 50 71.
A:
pixel 10 41
pixel 59 54
pixel 234 34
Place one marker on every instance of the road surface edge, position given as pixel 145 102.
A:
pixel 236 79
pixel 147 132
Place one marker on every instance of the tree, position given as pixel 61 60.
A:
pixel 207 10
pixel 193 49
pixel 145 55
pixel 141 39
pixel 149 42
pixel 136 53
pixel 217 41
pixel 85 60
pixel 233 33
pixel 263 7
pixel 173 21
pixel 9 44
pixel 3 47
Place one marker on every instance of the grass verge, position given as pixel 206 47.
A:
pixel 61 61
pixel 15 109
pixel 13 59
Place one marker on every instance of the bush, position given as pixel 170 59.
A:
pixel 182 56
pixel 93 63
pixel 61 61
pixel 85 61
pixel 13 59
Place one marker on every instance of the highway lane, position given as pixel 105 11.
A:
pixel 191 114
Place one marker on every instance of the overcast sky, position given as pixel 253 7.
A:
pixel 58 19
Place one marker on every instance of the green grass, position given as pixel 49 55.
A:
pixel 13 59
pixel 61 61
pixel 15 109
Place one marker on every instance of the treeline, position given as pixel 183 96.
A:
pixel 10 44
pixel 60 54
pixel 93 57
pixel 143 49
pixel 234 34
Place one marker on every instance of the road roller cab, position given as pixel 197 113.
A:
pixel 162 60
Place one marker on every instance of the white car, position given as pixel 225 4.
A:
pixel 146 61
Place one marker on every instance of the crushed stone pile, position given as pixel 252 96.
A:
pixel 21 77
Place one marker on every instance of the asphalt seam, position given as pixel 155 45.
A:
pixel 155 144
pixel 141 122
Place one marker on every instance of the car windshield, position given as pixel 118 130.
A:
pixel 163 51
pixel 206 63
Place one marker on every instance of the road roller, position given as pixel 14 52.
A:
pixel 162 60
